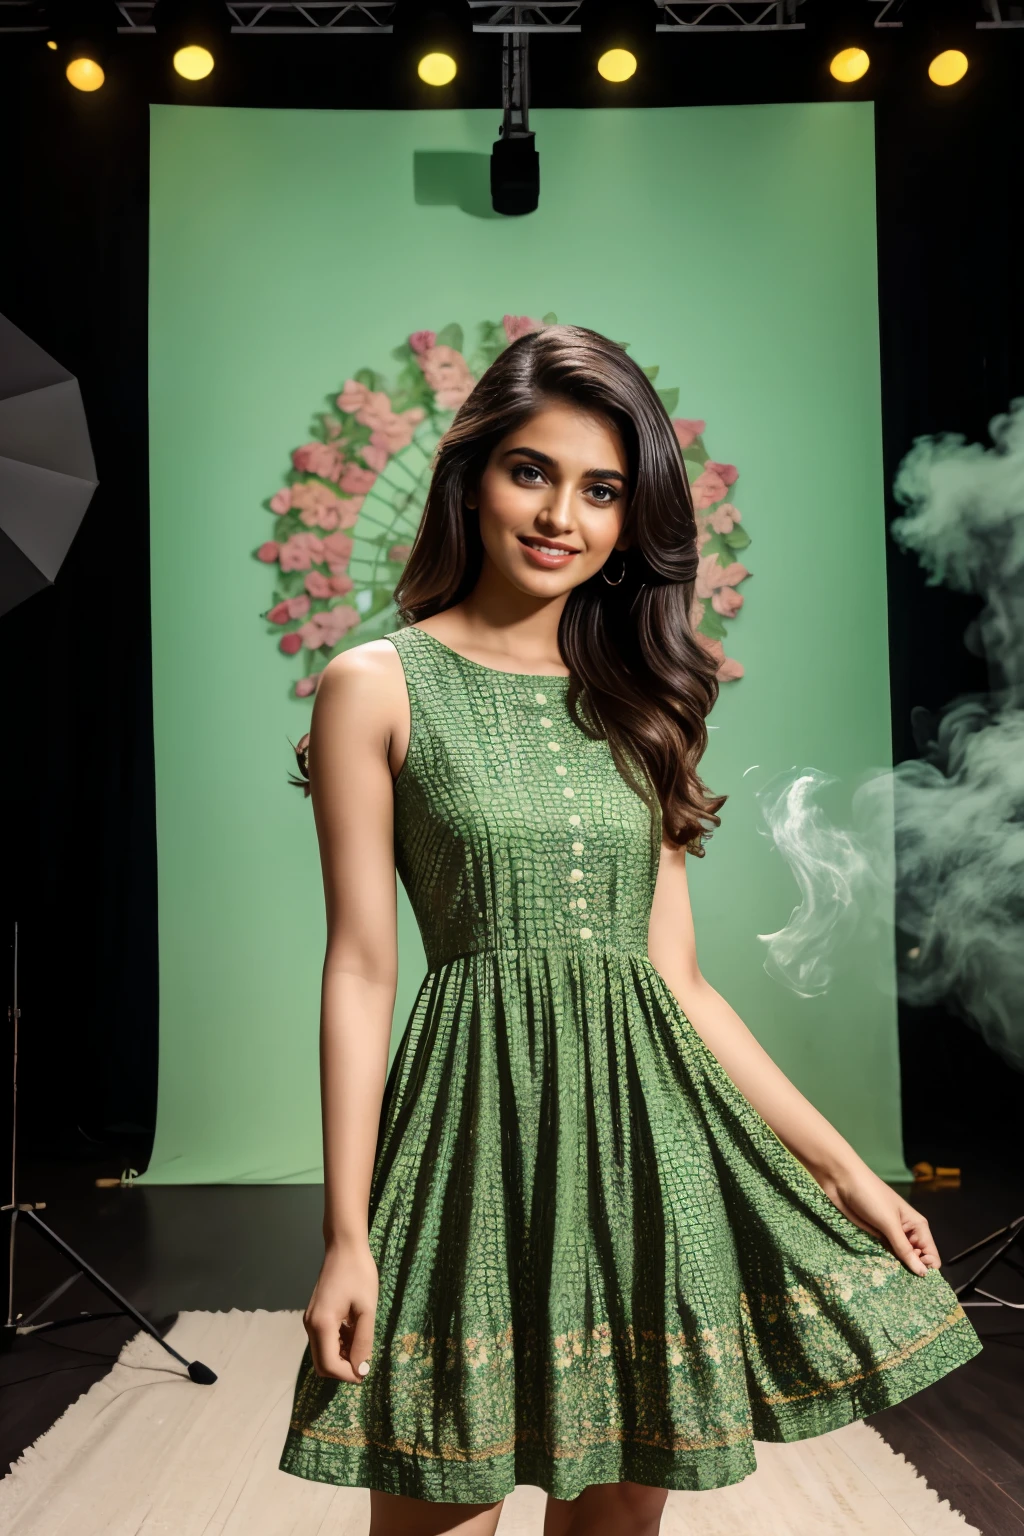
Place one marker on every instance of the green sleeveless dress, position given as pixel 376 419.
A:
pixel 597 1261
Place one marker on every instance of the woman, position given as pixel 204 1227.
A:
pixel 585 1234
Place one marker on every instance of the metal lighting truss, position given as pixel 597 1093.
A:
pixel 321 18
pixel 519 20
pixel 265 18
pixel 781 15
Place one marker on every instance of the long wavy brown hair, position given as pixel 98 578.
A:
pixel 639 677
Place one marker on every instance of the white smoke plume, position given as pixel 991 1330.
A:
pixel 955 815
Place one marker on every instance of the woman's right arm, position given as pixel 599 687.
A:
pixel 356 717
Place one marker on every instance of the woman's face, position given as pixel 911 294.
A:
pixel 552 500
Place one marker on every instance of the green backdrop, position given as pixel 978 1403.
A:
pixel 734 247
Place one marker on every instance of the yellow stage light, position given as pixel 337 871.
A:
pixel 849 64
pixel 85 74
pixel 947 68
pixel 617 64
pixel 52 44
pixel 436 68
pixel 193 62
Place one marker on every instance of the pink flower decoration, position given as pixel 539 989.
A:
pixel 724 518
pixel 687 431
pixel 289 608
pixel 729 473
pixel 290 644
pixel 708 488
pixel 727 601
pixel 734 572
pixel 340 584
pixel 337 551
pixel 448 374
pixel 281 501
pixel 400 553
pixel 353 396
pixel 372 408
pixel 422 341
pixel 367 405
pixel 317 584
pixel 303 688
pixel 268 552
pixel 728 669
pixel 319 459
pixel 320 508
pixel 327 628
pixel 374 454
pixel 301 551
pixel 396 432
pixel 711 575
pixel 357 481
pixel 696 612
pixel 520 325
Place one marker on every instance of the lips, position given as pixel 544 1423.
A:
pixel 547 554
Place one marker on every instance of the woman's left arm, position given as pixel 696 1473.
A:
pixel 844 1176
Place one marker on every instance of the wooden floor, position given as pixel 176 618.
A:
pixel 213 1247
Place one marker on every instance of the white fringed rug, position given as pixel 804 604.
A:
pixel 145 1452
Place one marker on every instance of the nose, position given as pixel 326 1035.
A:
pixel 557 512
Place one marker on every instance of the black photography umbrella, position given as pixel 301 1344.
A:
pixel 47 472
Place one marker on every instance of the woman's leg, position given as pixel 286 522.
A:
pixel 392 1514
pixel 607 1509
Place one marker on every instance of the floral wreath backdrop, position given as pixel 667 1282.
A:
pixel 347 517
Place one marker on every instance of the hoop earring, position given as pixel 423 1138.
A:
pixel 622 573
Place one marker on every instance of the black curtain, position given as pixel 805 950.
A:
pixel 77 768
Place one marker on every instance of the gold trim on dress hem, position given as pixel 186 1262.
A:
pixel 358 1440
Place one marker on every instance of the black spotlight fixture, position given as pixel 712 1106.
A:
pixel 195 33
pixel 515 163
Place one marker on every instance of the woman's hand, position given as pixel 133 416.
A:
pixel 867 1200
pixel 340 1316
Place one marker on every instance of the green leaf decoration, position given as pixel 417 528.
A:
pixel 365 376
pixel 652 373
pixel 669 399
pixel 550 318
pixel 716 545
pixel 450 336
pixel 711 624
pixel 737 538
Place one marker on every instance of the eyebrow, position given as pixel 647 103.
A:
pixel 535 453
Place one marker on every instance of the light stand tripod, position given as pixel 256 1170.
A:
pixel 27 1211
pixel 1011 1234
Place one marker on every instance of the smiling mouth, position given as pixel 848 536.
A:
pixel 548 549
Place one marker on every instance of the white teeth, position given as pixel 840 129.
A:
pixel 549 549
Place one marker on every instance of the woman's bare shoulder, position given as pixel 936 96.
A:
pixel 363 667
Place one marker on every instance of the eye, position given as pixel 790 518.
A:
pixel 517 467
pixel 613 494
